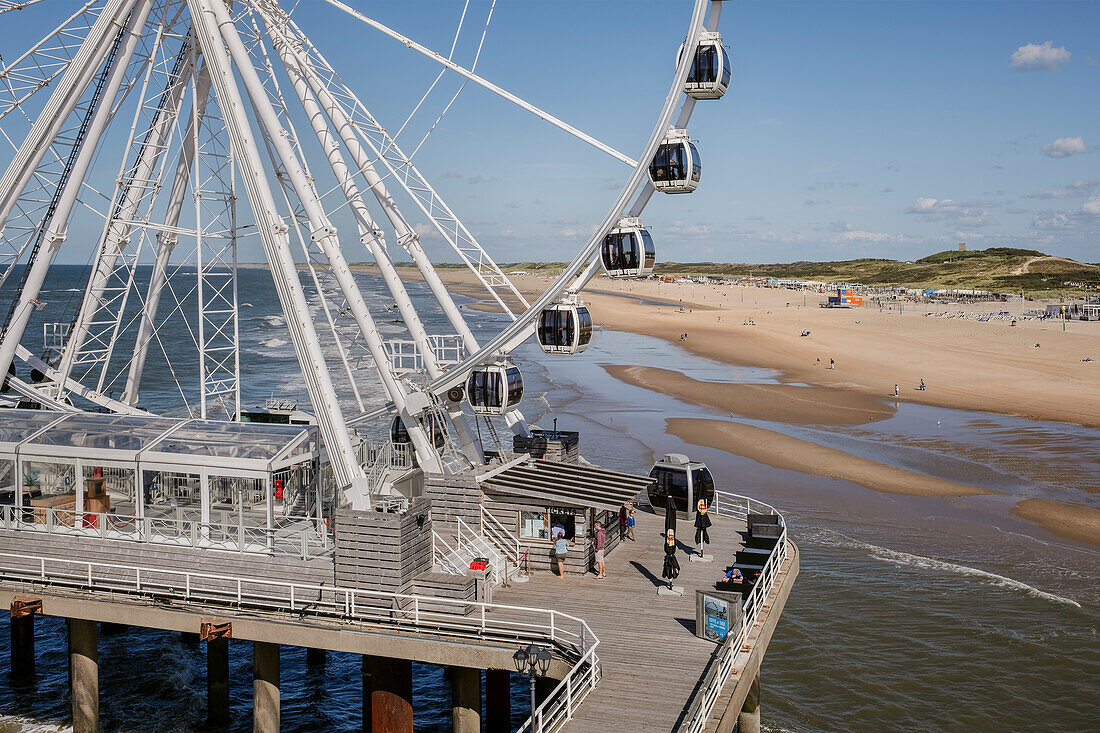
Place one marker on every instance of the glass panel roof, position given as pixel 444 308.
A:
pixel 18 425
pixel 106 432
pixel 230 440
pixel 136 433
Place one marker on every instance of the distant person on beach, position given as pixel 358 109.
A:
pixel 561 547
pixel 832 364
pixel 921 387
pixel 895 390
pixel 630 525
pixel 601 545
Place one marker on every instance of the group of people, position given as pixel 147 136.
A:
pixel 599 542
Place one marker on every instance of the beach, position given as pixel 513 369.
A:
pixel 844 372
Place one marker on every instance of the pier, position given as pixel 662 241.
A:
pixel 606 636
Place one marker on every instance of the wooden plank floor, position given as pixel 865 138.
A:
pixel 652 660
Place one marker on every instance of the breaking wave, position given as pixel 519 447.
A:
pixel 908 559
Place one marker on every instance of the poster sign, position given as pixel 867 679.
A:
pixel 716 615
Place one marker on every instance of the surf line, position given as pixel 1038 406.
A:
pixel 927 563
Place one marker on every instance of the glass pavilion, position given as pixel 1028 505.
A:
pixel 243 486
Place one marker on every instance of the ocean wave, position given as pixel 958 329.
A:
pixel 28 725
pixel 908 559
pixel 273 343
pixel 274 320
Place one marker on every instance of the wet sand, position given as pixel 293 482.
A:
pixel 1071 521
pixel 795 404
pixel 793 454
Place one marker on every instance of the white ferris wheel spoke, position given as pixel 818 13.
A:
pixel 481 81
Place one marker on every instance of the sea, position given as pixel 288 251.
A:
pixel 908 614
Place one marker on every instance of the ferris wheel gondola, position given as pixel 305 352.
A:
pixel 676 167
pixel 494 389
pixel 564 328
pixel 399 434
pixel 627 250
pixel 710 73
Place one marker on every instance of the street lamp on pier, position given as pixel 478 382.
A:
pixel 533 662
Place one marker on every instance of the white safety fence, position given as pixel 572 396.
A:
pixel 303 537
pixel 738 507
pixel 570 637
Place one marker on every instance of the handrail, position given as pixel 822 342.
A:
pixel 709 691
pixel 375 609
pixel 506 542
pixel 304 542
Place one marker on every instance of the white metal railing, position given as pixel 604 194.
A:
pixel 739 507
pixel 474 544
pixel 444 555
pixel 304 538
pixel 505 541
pixel 570 636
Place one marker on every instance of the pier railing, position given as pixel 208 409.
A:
pixel 738 507
pixel 570 637
pixel 303 537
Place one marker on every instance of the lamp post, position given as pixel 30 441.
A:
pixel 532 661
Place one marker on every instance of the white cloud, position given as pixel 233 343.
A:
pixel 1092 206
pixel 927 205
pixel 423 229
pixel 858 235
pixel 1064 147
pixel 1034 57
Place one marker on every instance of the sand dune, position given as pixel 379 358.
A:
pixel 793 454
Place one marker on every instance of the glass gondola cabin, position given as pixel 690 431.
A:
pixel 564 328
pixel 676 167
pixel 709 76
pixel 681 481
pixel 399 435
pixel 494 389
pixel 627 250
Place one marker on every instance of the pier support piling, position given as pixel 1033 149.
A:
pixel 543 687
pixel 265 687
pixel 217 681
pixel 391 706
pixel 498 699
pixel 22 647
pixel 315 659
pixel 84 670
pixel 749 719
pixel 466 699
pixel 368 689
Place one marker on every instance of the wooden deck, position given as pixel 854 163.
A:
pixel 651 658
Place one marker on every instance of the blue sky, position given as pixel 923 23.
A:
pixel 851 129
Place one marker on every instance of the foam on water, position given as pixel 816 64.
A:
pixel 24 725
pixel 908 559
pixel 273 343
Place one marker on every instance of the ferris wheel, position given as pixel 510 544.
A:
pixel 198 105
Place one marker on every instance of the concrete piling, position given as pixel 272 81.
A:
pixel 748 721
pixel 466 699
pixel 391 705
pixel 498 699
pixel 217 681
pixel 265 687
pixel 84 672
pixel 22 647
pixel 315 659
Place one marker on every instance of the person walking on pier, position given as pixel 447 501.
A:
pixel 561 547
pixel 601 545
pixel 630 524
pixel 622 522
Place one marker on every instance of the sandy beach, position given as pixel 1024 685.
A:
pixel 1033 370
